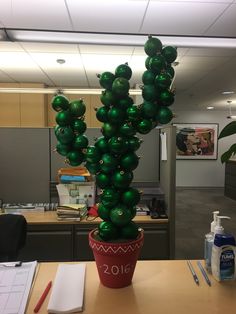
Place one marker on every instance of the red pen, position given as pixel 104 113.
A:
pixel 43 297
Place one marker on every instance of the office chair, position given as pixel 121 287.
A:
pixel 13 230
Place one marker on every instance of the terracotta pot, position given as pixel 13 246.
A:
pixel 116 261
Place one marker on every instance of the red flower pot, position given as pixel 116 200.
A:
pixel 116 261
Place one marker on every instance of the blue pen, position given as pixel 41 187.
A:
pixel 193 272
pixel 204 273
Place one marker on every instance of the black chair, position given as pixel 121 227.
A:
pixel 13 231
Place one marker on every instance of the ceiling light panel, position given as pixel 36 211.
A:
pixel 106 15
pixel 47 47
pixel 105 49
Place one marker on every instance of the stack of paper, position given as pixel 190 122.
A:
pixel 68 289
pixel 71 212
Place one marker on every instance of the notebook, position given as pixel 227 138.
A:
pixel 68 289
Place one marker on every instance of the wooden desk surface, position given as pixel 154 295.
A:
pixel 162 287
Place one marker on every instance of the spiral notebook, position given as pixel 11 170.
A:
pixel 68 289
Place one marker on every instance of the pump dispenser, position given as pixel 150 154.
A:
pixel 209 240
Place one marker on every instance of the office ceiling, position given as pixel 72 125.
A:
pixel 201 75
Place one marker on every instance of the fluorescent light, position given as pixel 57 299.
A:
pixel 227 93
pixel 210 107
pixel 232 117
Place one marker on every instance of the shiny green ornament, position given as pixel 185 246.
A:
pixel 127 129
pixel 129 231
pixel 147 61
pixel 125 103
pixel 116 115
pixel 134 143
pixel 167 97
pixel 164 115
pixel 65 135
pixel 123 70
pixel 63 118
pixel 102 114
pixel 149 109
pixel 170 53
pixel 56 128
pixel 80 142
pixel 59 103
pixel 170 70
pixel 120 215
pixel 110 197
pixel 157 64
pixel 103 180
pixel 107 231
pixel 102 144
pixel 149 92
pixel 118 145
pixel 144 126
pixel 79 126
pixel 129 161
pixel 152 46
pixel 77 108
pixel 104 212
pixel 120 87
pixel 63 149
pixel 75 157
pixel 108 129
pixel 163 81
pixel 92 154
pixel 122 179
pixel 107 98
pixel 148 78
pixel 133 211
pixel 106 79
pixel 133 113
pixel 93 168
pixel 131 197
pixel 108 163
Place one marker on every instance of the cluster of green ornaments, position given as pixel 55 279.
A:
pixel 112 158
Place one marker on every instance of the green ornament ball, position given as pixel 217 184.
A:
pixel 107 98
pixel 75 157
pixel 78 126
pixel 124 71
pixel 163 81
pixel 117 145
pixel 149 109
pixel 149 92
pixel 148 78
pixel 170 53
pixel 129 231
pixel 144 126
pixel 120 87
pixel 133 113
pixel 129 161
pixel 104 212
pixel 166 97
pixel 103 180
pixel 125 103
pixel 157 64
pixel 102 114
pixel 164 115
pixel 60 102
pixel 80 142
pixel 63 149
pixel 65 135
pixel 127 129
pixel 170 70
pixel 93 168
pixel 120 215
pixel 131 197
pixel 110 197
pixel 152 46
pixel 108 130
pixel 102 144
pixel 107 230
pixel 63 118
pixel 116 115
pixel 108 163
pixel 92 154
pixel 77 108
pixel 147 61
pixel 122 179
pixel 106 79
pixel 134 143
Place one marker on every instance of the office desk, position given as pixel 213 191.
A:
pixel 162 287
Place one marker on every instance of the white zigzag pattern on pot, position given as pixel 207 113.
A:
pixel 119 249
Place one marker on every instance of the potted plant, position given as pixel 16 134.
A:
pixel 117 241
pixel 228 130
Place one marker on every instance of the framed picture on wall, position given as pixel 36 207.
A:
pixel 196 140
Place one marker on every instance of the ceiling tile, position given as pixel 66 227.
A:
pixel 46 47
pixel 104 49
pixel 5 78
pixel 107 15
pixel 204 64
pixel 9 46
pixel 180 18
pixel 211 52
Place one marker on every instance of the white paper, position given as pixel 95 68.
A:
pixel 163 146
pixel 68 289
pixel 15 284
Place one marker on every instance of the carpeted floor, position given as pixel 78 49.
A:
pixel 194 209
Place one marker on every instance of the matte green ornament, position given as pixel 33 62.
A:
pixel 120 87
pixel 116 115
pixel 164 115
pixel 147 61
pixel 157 64
pixel 102 114
pixel 108 129
pixel 166 97
pixel 63 118
pixel 75 157
pixel 127 129
pixel 118 145
pixel 63 149
pixel 144 126
pixel 65 135
pixel 104 212
pixel 170 70
pixel 133 113
pixel 163 81
pixel 110 197
pixel 102 144
pixel 152 46
pixel 148 77
pixel 107 231
pixel 107 98
pixel 103 180
pixel 108 163
pixel 60 102
pixel 80 142
pixel 170 53
pixel 120 215
pixel 92 154
pixel 122 179
pixel 129 231
pixel 125 103
pixel 149 109
pixel 123 70
pixel 77 108
pixel 149 92
pixel 93 168
pixel 134 143
pixel 131 197
pixel 129 161
pixel 79 126
pixel 106 79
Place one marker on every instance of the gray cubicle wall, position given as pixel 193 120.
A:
pixel 24 165
pixel 148 168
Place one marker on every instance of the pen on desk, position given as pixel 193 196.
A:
pixel 43 297
pixel 204 273
pixel 193 272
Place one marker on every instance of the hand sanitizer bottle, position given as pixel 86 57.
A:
pixel 223 254
pixel 209 240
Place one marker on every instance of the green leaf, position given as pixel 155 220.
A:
pixel 229 129
pixel 228 154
